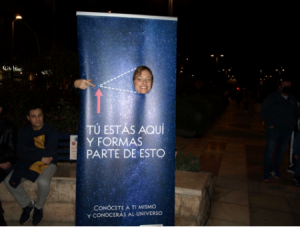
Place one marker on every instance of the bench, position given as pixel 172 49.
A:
pixel 63 147
pixel 193 193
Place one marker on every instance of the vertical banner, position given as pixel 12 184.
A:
pixel 126 139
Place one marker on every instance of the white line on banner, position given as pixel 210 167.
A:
pixel 123 74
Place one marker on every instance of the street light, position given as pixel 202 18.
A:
pixel 170 8
pixel 280 70
pixel 217 58
pixel 18 17
pixel 226 71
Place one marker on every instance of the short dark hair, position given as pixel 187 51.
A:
pixel 139 70
pixel 34 107
pixel 286 78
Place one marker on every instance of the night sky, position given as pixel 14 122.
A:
pixel 252 35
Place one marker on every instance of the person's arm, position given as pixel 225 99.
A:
pixel 297 112
pixel 266 112
pixel 8 148
pixel 83 84
pixel 296 145
pixel 5 165
pixel 51 143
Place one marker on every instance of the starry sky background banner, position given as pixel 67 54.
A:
pixel 126 140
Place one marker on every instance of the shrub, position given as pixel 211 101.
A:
pixel 194 112
pixel 187 162
pixel 64 117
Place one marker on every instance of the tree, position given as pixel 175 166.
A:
pixel 53 69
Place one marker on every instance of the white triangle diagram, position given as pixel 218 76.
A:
pixel 104 85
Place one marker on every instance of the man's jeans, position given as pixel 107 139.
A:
pixel 297 168
pixel 281 137
pixel 43 183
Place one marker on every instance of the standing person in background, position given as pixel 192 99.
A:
pixel 246 101
pixel 8 138
pixel 291 167
pixel 280 113
pixel 257 100
pixel 238 99
pixel 296 149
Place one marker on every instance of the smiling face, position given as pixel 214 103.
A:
pixel 143 82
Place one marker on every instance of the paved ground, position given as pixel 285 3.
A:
pixel 233 150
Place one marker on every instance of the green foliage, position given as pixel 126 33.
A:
pixel 15 97
pixel 62 68
pixel 61 64
pixel 188 162
pixel 64 117
pixel 194 112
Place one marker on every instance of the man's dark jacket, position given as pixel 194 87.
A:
pixel 8 138
pixel 280 112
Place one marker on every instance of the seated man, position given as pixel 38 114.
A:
pixel 36 150
pixel 8 139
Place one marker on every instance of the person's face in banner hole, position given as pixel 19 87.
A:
pixel 142 79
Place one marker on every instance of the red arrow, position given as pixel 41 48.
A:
pixel 98 94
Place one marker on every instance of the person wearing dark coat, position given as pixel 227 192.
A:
pixel 296 147
pixel 8 137
pixel 280 113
